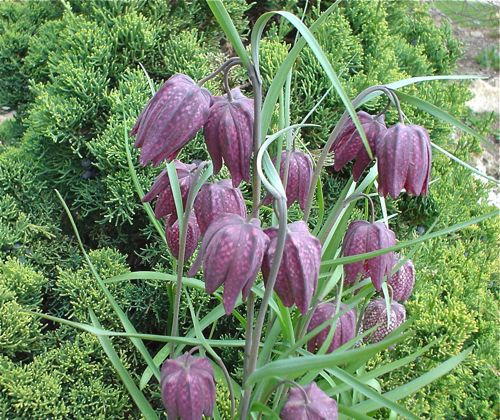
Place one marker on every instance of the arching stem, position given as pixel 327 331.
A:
pixel 218 70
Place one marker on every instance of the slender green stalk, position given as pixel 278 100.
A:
pixel 273 274
pixel 257 127
pixel 249 332
pixel 182 253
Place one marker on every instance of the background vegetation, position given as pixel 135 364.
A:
pixel 72 70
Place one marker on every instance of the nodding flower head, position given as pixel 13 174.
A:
pixel 232 251
pixel 362 237
pixel 376 314
pixel 162 190
pixel 173 234
pixel 402 281
pixel 188 387
pixel 170 119
pixel 216 199
pixel 299 269
pixel 404 160
pixel 229 134
pixel 349 146
pixel 309 403
pixel 345 329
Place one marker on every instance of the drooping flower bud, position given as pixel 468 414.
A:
pixel 216 199
pixel 345 329
pixel 362 237
pixel 299 269
pixel 402 282
pixel 172 233
pixel 161 188
pixel 349 145
pixel 376 314
pixel 229 134
pixel 309 403
pixel 171 118
pixel 300 172
pixel 404 160
pixel 232 252
pixel 188 387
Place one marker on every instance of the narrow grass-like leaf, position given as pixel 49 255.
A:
pixel 370 393
pixel 135 180
pixel 405 244
pixel 437 112
pixel 349 413
pixel 227 25
pixel 138 397
pixel 413 386
pixel 127 325
pixel 464 164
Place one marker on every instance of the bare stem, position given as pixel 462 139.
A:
pixel 227 88
pixel 273 274
pixel 218 70
pixel 257 127
pixel 182 253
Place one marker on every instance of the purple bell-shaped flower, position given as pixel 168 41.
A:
pixel 188 387
pixel 231 251
pixel 349 145
pixel 402 281
pixel 362 237
pixel 309 403
pixel 171 118
pixel 172 233
pixel 345 329
pixel 404 160
pixel 299 269
pixel 161 188
pixel 376 314
pixel 216 199
pixel 229 134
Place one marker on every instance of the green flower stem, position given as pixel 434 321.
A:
pixel 249 332
pixel 257 128
pixel 227 69
pixel 182 253
pixel 333 136
pixel 273 274
pixel 219 69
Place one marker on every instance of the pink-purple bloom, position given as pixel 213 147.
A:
pixel 162 190
pixel 170 119
pixel 362 237
pixel 404 161
pixel 402 281
pixel 300 172
pixel 229 134
pixel 309 403
pixel 232 251
pixel 213 200
pixel 349 146
pixel 376 314
pixel 172 234
pixel 299 269
pixel 188 387
pixel 345 329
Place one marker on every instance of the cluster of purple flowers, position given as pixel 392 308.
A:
pixel 234 246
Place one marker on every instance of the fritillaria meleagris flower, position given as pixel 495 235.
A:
pixel 300 171
pixel 171 118
pixel 188 387
pixel 229 134
pixel 402 281
pixel 216 199
pixel 172 233
pixel 232 251
pixel 309 403
pixel 404 160
pixel 299 268
pixel 345 329
pixel 376 314
pixel 362 237
pixel 161 188
pixel 349 146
